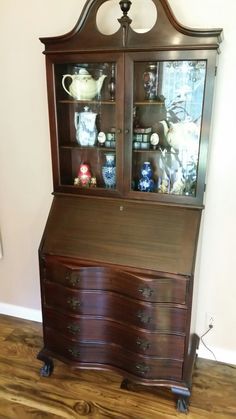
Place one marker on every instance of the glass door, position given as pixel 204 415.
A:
pixel 167 117
pixel 87 125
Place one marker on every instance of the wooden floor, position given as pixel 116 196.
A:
pixel 94 394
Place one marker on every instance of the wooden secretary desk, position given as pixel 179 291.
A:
pixel 129 123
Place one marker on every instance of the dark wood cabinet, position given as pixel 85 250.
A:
pixel 129 122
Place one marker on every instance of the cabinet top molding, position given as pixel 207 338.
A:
pixel 166 34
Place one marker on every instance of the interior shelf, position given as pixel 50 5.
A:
pixel 76 145
pixel 88 102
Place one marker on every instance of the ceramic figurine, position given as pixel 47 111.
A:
pixel 93 182
pixel 164 184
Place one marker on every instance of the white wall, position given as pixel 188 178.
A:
pixel 25 165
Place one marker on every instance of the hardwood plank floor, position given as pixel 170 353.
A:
pixel 96 394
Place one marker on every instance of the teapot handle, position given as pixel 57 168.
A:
pixel 63 82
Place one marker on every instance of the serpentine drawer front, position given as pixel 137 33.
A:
pixel 152 287
pixel 113 355
pixel 151 316
pixel 89 329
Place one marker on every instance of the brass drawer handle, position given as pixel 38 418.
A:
pixel 73 328
pixel 142 368
pixel 74 303
pixel 146 292
pixel 74 352
pixel 143 344
pixel 73 279
pixel 144 317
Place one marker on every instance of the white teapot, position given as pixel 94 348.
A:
pixel 83 86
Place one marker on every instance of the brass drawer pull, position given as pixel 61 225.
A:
pixel 74 303
pixel 142 368
pixel 73 328
pixel 144 317
pixel 143 344
pixel 74 352
pixel 73 279
pixel 146 291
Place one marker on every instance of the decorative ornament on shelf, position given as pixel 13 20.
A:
pixel 146 183
pixel 112 83
pixel 101 138
pixel 154 140
pixel 84 178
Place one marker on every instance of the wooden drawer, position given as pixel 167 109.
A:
pixel 150 316
pixel 100 355
pixel 90 329
pixel 153 288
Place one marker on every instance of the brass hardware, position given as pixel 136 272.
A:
pixel 143 344
pixel 146 291
pixel 74 352
pixel 73 279
pixel 73 328
pixel 118 131
pixel 126 131
pixel 144 317
pixel 142 368
pixel 74 303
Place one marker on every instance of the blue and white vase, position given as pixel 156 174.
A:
pixel 146 183
pixel 109 171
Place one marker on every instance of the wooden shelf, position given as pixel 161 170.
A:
pixel 77 146
pixel 87 102
pixel 149 103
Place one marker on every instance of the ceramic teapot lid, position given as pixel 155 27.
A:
pixel 84 72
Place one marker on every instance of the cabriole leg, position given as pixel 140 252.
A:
pixel 47 369
pixel 182 400
pixel 125 384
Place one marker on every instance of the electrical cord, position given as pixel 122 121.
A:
pixel 204 334
pixel 201 338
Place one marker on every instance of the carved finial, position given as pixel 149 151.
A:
pixel 125 20
pixel 125 6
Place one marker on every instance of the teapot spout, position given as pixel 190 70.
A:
pixel 100 83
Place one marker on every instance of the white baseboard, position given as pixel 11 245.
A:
pixel 21 312
pixel 222 355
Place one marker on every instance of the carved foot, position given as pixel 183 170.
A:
pixel 125 384
pixel 182 405
pixel 183 399
pixel 47 369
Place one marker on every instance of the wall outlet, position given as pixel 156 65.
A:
pixel 209 319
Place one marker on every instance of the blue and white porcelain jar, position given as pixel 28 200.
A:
pixel 146 183
pixel 109 171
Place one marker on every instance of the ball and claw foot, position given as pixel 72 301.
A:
pixel 125 384
pixel 48 367
pixel 182 405
pixel 46 370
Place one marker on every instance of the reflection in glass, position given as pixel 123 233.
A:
pixel 176 119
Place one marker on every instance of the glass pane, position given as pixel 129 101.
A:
pixel 167 113
pixel 86 117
